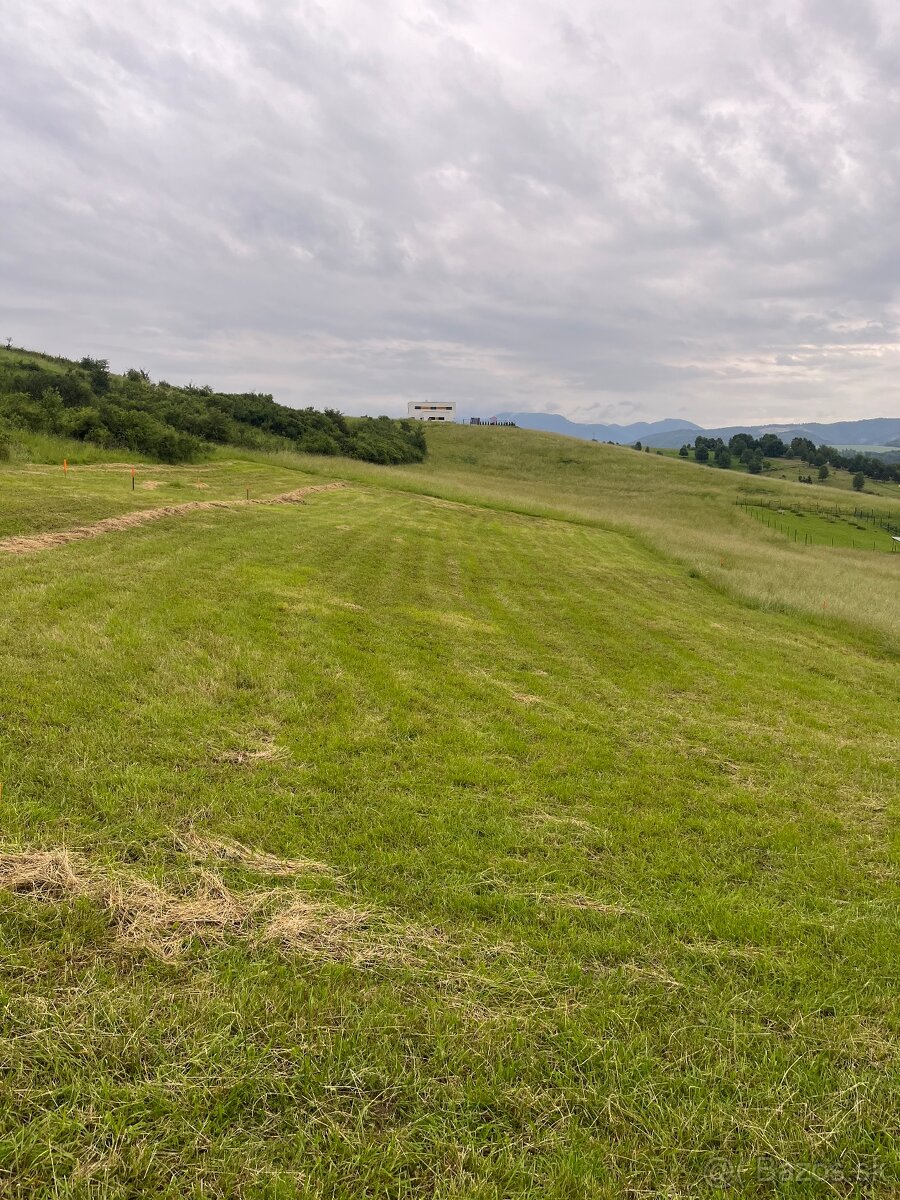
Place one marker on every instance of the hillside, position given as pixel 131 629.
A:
pixel 597 431
pixel 875 432
pixel 516 823
pixel 86 401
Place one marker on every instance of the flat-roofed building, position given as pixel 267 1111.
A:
pixel 426 410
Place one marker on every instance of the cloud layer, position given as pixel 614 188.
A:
pixel 614 211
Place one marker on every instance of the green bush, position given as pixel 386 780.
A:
pixel 86 401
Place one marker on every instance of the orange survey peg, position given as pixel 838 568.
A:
pixel 65 466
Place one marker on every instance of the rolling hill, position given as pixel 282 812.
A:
pixel 515 823
pixel 554 423
pixel 672 433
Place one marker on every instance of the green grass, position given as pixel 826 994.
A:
pixel 45 499
pixel 840 528
pixel 30 447
pixel 791 469
pixel 623 835
pixel 681 511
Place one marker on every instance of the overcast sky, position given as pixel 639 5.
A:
pixel 613 209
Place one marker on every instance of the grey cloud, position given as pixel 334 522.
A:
pixel 607 212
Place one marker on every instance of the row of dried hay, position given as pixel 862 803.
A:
pixel 145 914
pixel 202 848
pixel 44 541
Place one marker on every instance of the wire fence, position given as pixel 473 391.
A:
pixel 768 512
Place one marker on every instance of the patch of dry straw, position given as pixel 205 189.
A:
pixel 227 850
pixel 144 914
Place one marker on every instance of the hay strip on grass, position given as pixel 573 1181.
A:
pixel 142 912
pixel 45 541
pixel 226 850
pixel 145 915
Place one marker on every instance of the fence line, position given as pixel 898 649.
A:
pixel 770 507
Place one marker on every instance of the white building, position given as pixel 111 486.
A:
pixel 424 410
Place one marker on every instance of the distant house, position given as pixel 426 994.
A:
pixel 426 411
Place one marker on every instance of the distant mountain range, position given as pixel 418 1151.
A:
pixel 672 432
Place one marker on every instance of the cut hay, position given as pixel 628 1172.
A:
pixel 142 913
pixel 226 850
pixel 145 915
pixel 545 818
pixel 317 928
pixel 47 873
pixel 46 541
pixel 148 916
pixel 357 936
pixel 241 758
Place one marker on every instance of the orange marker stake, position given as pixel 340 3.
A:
pixel 65 466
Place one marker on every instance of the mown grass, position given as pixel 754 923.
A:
pixel 796 470
pixel 681 510
pixel 618 849
pixel 841 529
pixel 43 499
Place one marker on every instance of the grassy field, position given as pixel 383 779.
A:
pixel 824 529
pixel 516 824
pixel 793 469
pixel 683 511
pixel 44 499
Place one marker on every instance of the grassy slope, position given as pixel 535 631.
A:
pixel 792 468
pixel 637 833
pixel 683 510
pixel 42 498
pixel 824 528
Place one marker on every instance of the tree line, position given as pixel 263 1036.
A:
pixel 85 400
pixel 754 453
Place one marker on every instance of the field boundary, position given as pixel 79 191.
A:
pixel 31 543
pixel 842 524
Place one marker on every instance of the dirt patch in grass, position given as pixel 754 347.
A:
pixel 47 541
pixel 150 485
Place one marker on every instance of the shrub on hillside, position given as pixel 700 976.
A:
pixel 178 424
pixel 381 440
